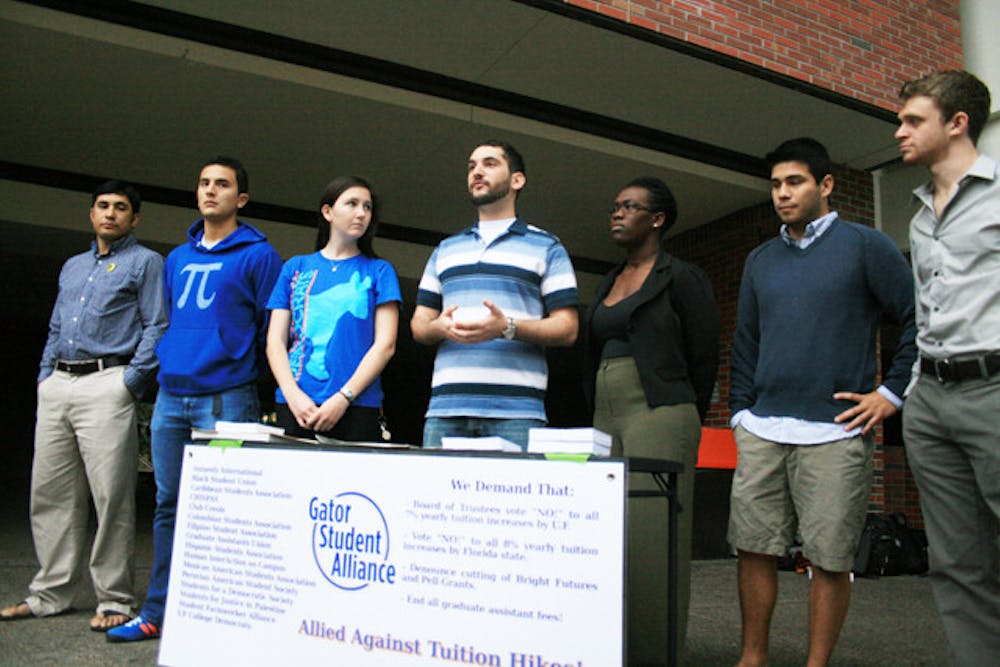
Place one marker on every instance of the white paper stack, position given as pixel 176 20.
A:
pixel 491 443
pixel 245 431
pixel 569 441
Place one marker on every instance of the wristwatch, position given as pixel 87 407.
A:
pixel 510 329
pixel 348 394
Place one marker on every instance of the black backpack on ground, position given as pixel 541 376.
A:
pixel 913 559
pixel 888 546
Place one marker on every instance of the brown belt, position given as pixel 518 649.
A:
pixel 955 370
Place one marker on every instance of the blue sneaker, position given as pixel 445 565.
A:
pixel 135 630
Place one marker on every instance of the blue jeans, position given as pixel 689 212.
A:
pixel 515 430
pixel 173 418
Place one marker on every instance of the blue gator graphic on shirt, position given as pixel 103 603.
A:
pixel 315 317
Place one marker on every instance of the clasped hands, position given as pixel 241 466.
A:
pixel 317 418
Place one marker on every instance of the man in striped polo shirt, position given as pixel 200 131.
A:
pixel 494 296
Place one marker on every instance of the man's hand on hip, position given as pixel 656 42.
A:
pixel 871 409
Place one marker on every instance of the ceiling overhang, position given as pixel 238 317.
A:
pixel 399 93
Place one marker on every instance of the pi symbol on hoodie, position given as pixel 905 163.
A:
pixel 193 270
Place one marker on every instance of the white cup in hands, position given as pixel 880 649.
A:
pixel 470 314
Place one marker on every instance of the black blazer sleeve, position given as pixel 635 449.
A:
pixel 694 302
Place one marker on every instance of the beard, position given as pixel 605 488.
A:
pixel 494 194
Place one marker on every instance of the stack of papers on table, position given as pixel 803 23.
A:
pixel 569 441
pixel 488 444
pixel 243 431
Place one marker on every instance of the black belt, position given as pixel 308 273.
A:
pixel 87 366
pixel 955 370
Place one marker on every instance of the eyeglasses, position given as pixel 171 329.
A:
pixel 628 206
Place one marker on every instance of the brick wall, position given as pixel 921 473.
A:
pixel 860 48
pixel 900 487
pixel 720 249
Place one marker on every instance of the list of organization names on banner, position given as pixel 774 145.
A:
pixel 233 571
pixel 361 555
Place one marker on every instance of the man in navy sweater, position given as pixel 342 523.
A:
pixel 803 394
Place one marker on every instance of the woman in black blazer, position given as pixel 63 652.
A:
pixel 652 356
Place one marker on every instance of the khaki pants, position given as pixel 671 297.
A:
pixel 666 432
pixel 85 437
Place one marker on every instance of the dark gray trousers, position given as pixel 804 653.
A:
pixel 952 436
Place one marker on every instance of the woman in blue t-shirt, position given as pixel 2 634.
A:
pixel 334 315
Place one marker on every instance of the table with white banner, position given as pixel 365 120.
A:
pixel 365 556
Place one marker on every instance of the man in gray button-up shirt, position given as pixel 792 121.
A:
pixel 950 424
pixel 98 359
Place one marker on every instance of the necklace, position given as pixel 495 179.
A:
pixel 335 263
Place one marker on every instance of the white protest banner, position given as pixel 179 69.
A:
pixel 300 556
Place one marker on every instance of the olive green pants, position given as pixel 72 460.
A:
pixel 666 432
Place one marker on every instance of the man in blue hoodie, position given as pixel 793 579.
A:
pixel 216 287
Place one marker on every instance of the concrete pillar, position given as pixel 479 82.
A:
pixel 980 23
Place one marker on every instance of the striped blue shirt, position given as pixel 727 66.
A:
pixel 527 274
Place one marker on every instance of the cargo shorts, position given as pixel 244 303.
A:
pixel 820 491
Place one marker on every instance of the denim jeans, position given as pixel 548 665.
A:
pixel 173 418
pixel 515 430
